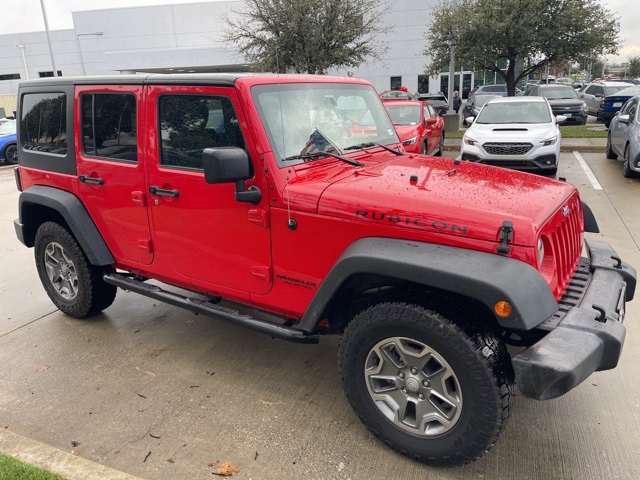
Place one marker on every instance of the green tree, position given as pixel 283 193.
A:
pixel 633 69
pixel 306 36
pixel 526 35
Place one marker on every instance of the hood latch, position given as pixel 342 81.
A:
pixel 506 235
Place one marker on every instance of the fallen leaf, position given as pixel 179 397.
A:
pixel 74 443
pixel 44 368
pixel 226 470
pixel 214 463
pixel 75 452
pixel 191 322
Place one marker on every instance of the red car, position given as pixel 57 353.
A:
pixel 418 125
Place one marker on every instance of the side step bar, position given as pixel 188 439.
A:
pixel 211 309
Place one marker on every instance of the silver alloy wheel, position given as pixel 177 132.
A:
pixel 61 271
pixel 413 386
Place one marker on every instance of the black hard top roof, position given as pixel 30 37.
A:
pixel 224 79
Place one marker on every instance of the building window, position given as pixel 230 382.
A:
pixel 43 126
pixel 49 74
pixel 10 76
pixel 191 123
pixel 396 83
pixel 109 126
pixel 423 83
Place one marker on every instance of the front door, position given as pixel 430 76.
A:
pixel 199 230
pixel 110 171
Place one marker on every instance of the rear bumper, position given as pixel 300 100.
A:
pixel 589 337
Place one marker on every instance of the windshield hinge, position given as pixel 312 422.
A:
pixel 506 235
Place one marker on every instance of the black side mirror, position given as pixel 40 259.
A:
pixel 230 165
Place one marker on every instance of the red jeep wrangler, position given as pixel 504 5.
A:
pixel 271 194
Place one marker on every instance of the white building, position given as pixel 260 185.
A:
pixel 187 38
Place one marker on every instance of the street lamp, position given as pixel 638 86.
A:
pixel 46 29
pixel 24 59
pixel 80 48
pixel 452 61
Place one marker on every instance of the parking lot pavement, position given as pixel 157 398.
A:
pixel 159 393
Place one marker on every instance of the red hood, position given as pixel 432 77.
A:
pixel 466 199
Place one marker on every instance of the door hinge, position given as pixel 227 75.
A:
pixel 139 198
pixel 145 244
pixel 259 217
pixel 262 272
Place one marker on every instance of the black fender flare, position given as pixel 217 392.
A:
pixel 74 213
pixel 590 222
pixel 485 277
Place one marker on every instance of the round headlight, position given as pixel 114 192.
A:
pixel 540 252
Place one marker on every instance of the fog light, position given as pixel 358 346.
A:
pixel 503 308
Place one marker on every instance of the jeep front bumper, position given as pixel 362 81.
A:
pixel 589 336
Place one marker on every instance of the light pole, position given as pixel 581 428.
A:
pixel 24 59
pixel 80 48
pixel 452 61
pixel 46 29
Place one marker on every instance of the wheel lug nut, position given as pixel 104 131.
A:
pixel 421 396
pixel 404 390
pixel 400 375
pixel 414 370
pixel 426 383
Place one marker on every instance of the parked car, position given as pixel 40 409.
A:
pixel 515 132
pixel 8 148
pixel 418 126
pixel 564 100
pixel 396 95
pixel 592 93
pixel 565 80
pixel 473 106
pixel 623 139
pixel 438 100
pixel 612 104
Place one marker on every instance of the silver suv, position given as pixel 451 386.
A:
pixel 593 93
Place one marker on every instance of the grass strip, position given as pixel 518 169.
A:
pixel 12 469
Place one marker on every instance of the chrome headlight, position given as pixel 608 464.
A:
pixel 540 252
pixel 410 141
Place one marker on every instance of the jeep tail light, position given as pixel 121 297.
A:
pixel 16 173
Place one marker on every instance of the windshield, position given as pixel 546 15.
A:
pixel 482 99
pixel 8 128
pixel 514 112
pixel 613 90
pixel 296 115
pixel 404 114
pixel 559 93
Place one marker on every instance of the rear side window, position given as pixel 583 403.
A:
pixel 109 126
pixel 43 123
pixel 191 123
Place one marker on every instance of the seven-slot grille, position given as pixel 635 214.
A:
pixel 566 240
pixel 507 148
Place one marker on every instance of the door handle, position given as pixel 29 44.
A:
pixel 162 192
pixel 91 180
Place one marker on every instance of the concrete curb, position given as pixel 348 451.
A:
pixel 44 456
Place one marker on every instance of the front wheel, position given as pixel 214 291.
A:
pixel 430 389
pixel 611 155
pixel 74 285
pixel 627 171
pixel 440 146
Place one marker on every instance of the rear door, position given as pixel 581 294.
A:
pixel 199 230
pixel 110 176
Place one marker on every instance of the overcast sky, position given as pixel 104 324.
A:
pixel 25 16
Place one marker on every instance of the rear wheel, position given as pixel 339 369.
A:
pixel 611 155
pixel 11 154
pixel 627 171
pixel 74 285
pixel 434 391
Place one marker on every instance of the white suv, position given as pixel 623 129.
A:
pixel 515 132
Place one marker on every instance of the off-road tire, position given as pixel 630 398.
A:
pixel 611 155
pixel 479 362
pixel 90 293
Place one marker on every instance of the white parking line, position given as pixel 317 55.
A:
pixel 590 175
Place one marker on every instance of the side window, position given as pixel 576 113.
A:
pixel 43 126
pixel 109 126
pixel 432 111
pixel 632 109
pixel 591 90
pixel 598 91
pixel 191 123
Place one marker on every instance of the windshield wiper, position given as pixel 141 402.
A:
pixel 312 156
pixel 362 146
